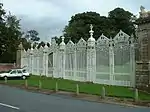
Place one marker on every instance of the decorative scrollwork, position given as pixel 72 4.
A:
pixel 81 43
pixel 102 40
pixel 70 46
pixel 121 37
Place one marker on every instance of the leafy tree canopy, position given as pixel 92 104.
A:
pixel 117 19
pixel 10 36
pixel 32 35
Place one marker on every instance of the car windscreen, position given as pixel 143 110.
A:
pixel 24 71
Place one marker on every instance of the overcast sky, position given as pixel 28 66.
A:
pixel 49 17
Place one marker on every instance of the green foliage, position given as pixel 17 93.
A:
pixel 41 44
pixel 25 43
pixel 32 35
pixel 2 28
pixel 79 25
pixel 121 19
pixel 10 36
pixel 57 39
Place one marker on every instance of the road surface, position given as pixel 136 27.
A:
pixel 17 100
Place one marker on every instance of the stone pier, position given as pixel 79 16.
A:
pixel 143 51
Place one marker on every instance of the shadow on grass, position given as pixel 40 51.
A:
pixel 11 78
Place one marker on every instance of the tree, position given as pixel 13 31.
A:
pixel 121 19
pixel 32 35
pixel 41 44
pixel 10 34
pixel 57 39
pixel 79 25
pixel 2 28
pixel 25 43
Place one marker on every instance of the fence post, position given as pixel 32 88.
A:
pixel 31 61
pixel 62 58
pixel 56 87
pixel 38 64
pixel 111 60
pixel 91 57
pixel 77 89
pixel 45 60
pixel 136 95
pixel 40 84
pixel 55 58
pixel 5 79
pixel 54 73
pixel 132 61
pixel 26 83
pixel 103 94
pixel 75 64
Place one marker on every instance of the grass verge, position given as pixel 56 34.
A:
pixel 88 88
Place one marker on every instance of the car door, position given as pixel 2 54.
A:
pixel 13 73
pixel 19 73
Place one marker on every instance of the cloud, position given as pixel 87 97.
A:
pixel 49 17
pixel 47 27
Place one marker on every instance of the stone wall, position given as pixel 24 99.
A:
pixel 142 74
pixel 6 66
pixel 142 64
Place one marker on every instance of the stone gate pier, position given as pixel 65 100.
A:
pixel 143 51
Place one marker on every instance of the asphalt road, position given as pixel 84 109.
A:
pixel 16 100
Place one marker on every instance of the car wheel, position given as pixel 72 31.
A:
pixel 23 77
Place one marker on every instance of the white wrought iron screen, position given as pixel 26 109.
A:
pixel 81 60
pixel 102 60
pixel 108 61
pixel 69 61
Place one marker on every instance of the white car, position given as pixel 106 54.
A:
pixel 15 73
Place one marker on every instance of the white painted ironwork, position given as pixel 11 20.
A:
pixel 108 61
pixel 102 60
pixel 81 60
pixel 69 61
pixel 122 73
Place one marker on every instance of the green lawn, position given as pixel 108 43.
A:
pixel 89 88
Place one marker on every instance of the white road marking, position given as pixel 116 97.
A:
pixel 10 106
